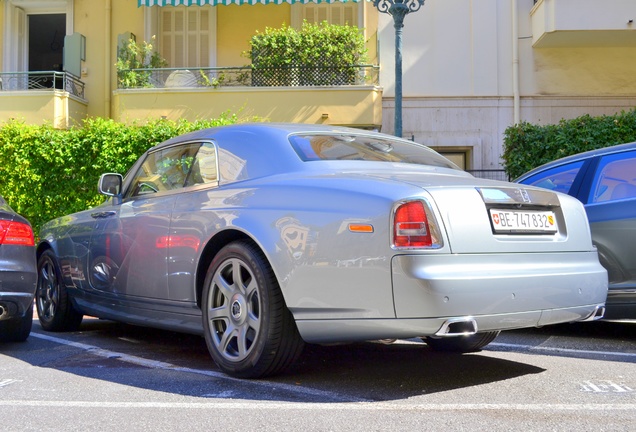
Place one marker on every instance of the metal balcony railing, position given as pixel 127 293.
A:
pixel 42 80
pixel 249 77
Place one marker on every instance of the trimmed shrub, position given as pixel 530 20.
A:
pixel 46 173
pixel 317 54
pixel 527 146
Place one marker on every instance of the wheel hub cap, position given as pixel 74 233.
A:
pixel 238 309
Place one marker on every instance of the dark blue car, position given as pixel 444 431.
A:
pixel 605 181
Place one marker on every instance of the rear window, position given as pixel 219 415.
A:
pixel 334 147
pixel 615 178
pixel 559 179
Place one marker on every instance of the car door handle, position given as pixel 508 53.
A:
pixel 101 215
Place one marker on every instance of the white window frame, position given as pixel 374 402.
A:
pixel 152 27
pixel 15 53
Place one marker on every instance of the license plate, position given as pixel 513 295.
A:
pixel 519 221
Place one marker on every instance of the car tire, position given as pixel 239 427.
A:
pixel 248 329
pixel 17 329
pixel 55 310
pixel 462 344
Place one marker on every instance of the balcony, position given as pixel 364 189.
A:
pixel 55 98
pixel 344 95
pixel 576 23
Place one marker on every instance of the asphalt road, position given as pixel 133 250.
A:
pixel 109 376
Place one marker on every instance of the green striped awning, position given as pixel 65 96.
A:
pixel 228 2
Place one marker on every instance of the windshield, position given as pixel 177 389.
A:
pixel 333 147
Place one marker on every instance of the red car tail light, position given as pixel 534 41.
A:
pixel 414 226
pixel 16 233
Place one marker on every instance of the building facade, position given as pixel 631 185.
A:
pixel 471 68
pixel 58 62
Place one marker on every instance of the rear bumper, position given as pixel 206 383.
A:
pixel 14 305
pixel 331 331
pixel 17 289
pixel 496 292
pixel 491 285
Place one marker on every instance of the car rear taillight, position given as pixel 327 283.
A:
pixel 414 226
pixel 16 233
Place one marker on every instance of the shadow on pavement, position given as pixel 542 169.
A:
pixel 343 373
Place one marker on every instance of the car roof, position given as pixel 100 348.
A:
pixel 266 129
pixel 579 157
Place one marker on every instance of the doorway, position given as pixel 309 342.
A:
pixel 46 42
pixel 46 47
pixel 33 34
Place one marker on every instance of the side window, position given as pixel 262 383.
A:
pixel 615 178
pixel 558 179
pixel 204 168
pixel 164 170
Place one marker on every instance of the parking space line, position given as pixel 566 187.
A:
pixel 561 350
pixel 154 364
pixel 537 348
pixel 312 406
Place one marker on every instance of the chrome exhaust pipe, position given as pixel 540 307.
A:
pixel 597 314
pixel 3 311
pixel 463 326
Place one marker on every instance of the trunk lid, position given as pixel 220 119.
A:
pixel 488 216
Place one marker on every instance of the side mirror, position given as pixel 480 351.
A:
pixel 110 185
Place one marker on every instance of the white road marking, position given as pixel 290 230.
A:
pixel 310 406
pixel 154 364
pixel 7 382
pixel 343 404
pixel 605 386
pixel 538 348
pixel 562 350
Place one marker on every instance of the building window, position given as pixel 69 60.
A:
pixel 185 36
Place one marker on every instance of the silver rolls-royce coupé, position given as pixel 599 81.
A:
pixel 262 237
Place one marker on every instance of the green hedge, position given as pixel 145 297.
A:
pixel 527 146
pixel 47 172
pixel 315 54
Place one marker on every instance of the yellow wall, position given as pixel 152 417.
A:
pixel 42 107
pixel 237 24
pixel 352 106
pixel 371 31
pixel 1 36
pixel 92 19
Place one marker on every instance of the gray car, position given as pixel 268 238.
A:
pixel 17 275
pixel 262 237
pixel 604 180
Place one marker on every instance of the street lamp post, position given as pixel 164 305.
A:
pixel 398 9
